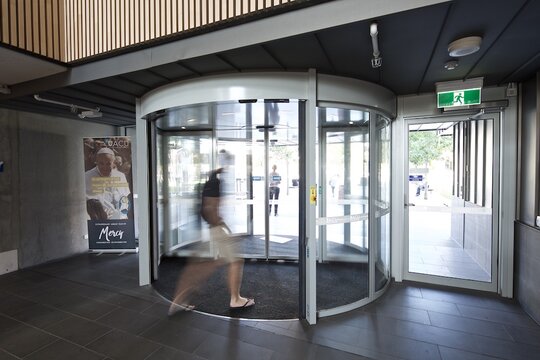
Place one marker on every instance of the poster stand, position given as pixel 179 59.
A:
pixel 109 194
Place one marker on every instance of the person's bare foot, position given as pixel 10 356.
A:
pixel 181 302
pixel 174 308
pixel 241 303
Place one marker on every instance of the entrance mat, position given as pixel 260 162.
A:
pixel 273 284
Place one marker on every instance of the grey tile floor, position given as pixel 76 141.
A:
pixel 90 307
pixel 444 258
pixel 431 249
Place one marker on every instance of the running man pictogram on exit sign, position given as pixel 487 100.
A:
pixel 458 98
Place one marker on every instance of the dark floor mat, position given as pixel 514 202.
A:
pixel 274 285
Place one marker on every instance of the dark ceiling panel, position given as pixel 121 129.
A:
pixel 172 71
pixel 251 58
pixel 526 72
pixel 107 92
pixel 146 78
pixel 486 18
pixel 521 37
pixel 208 64
pixel 406 43
pixel 300 53
pixel 93 98
pixel 124 85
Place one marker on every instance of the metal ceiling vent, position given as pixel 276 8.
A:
pixel 376 61
pixel 464 46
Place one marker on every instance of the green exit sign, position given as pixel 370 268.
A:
pixel 458 98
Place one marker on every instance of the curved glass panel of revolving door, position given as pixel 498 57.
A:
pixel 344 209
pixel 382 202
pixel 182 162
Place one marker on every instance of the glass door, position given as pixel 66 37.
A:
pixel 263 137
pixel 452 205
pixel 183 160
pixel 345 194
pixel 283 177
pixel 344 246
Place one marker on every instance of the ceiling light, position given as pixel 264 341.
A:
pixel 464 46
pixel 451 65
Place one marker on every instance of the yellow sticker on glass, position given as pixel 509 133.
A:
pixel 313 195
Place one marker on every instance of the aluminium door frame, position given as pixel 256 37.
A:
pixel 447 281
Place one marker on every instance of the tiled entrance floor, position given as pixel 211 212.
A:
pixel 91 307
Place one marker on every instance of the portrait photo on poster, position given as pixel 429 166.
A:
pixel 109 193
pixel 108 178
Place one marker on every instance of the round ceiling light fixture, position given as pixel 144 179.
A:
pixel 451 64
pixel 464 46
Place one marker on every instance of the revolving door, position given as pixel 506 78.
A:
pixel 305 190
pixel 260 186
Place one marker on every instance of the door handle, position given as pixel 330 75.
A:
pixel 409 204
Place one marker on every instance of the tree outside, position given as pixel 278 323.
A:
pixel 429 151
pixel 426 146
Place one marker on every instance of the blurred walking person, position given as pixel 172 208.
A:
pixel 198 271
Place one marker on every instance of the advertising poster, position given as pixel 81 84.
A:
pixel 109 193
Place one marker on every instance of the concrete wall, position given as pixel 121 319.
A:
pixel 528 139
pixel 527 268
pixel 43 185
pixel 9 201
pixel 527 259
